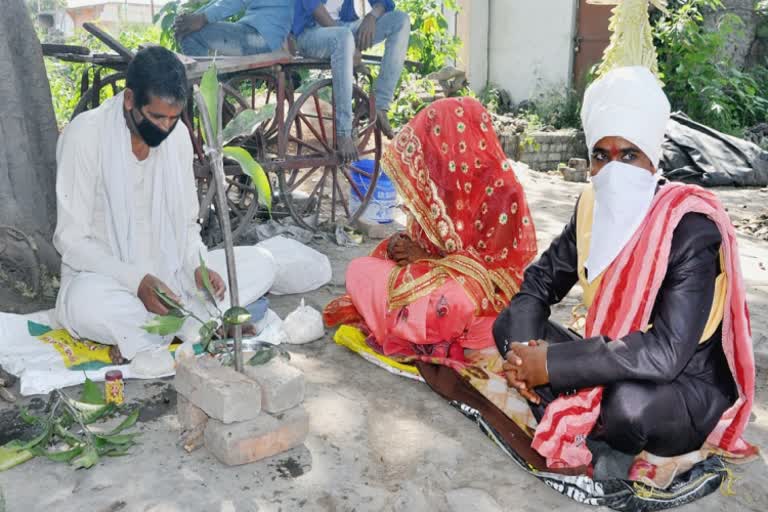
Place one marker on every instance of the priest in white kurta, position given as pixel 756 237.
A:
pixel 127 211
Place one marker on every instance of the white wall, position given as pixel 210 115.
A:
pixel 531 45
pixel 523 46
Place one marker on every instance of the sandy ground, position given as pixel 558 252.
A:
pixel 377 441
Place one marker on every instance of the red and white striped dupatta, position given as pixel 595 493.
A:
pixel 624 303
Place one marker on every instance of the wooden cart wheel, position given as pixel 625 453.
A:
pixel 259 89
pixel 318 197
pixel 241 195
pixel 94 93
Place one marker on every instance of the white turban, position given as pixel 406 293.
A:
pixel 627 102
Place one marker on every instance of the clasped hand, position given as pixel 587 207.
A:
pixel 526 368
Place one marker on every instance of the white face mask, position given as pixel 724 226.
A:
pixel 623 196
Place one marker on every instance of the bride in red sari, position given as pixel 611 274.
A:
pixel 436 289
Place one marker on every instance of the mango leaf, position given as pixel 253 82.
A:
pixel 126 423
pixel 62 456
pixel 106 410
pixel 29 418
pixel 246 122
pixel 209 88
pixel 263 356
pixel 116 451
pixel 92 393
pixel 120 438
pixel 12 454
pixel 164 325
pixel 236 315
pixel 87 459
pixel 253 169
pixel 206 280
pixel 66 435
pixel 207 330
pixel 168 301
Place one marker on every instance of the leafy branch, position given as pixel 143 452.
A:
pixel 64 434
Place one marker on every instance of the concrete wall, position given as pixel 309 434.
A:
pixel 543 151
pixel 522 46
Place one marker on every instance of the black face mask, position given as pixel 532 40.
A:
pixel 152 134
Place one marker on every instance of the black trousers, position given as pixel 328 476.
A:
pixel 644 415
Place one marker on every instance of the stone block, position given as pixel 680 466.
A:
pixel 221 392
pixel 375 230
pixel 282 385
pixel 262 437
pixel 191 417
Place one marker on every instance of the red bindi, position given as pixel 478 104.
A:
pixel 614 151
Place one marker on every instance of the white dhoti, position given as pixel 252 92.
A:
pixel 99 308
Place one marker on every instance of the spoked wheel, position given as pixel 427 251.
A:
pixel 242 203
pixel 93 93
pixel 318 194
pixel 242 206
pixel 258 90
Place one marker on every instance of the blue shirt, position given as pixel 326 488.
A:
pixel 272 18
pixel 304 19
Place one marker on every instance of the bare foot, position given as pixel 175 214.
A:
pixel 346 149
pixel 116 356
pixel 384 126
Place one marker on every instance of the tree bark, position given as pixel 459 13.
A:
pixel 28 135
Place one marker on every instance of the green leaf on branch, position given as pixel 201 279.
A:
pixel 87 459
pixel 246 122
pixel 92 393
pixel 236 315
pixel 207 330
pixel 205 275
pixel 253 169
pixel 120 439
pixel 126 423
pixel 12 454
pixel 62 455
pixel 168 301
pixel 164 325
pixel 209 88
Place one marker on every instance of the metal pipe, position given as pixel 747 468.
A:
pixel 217 167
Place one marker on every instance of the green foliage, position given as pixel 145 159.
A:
pixel 63 434
pixel 92 393
pixel 699 79
pixel 253 169
pixel 556 109
pixel 430 44
pixel 209 88
pixel 414 94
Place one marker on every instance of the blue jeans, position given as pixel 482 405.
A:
pixel 338 43
pixel 225 39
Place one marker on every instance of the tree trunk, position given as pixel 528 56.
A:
pixel 738 44
pixel 28 136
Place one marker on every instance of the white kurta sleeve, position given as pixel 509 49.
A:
pixel 77 190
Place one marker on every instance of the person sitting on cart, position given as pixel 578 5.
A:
pixel 127 212
pixel 262 29
pixel 331 28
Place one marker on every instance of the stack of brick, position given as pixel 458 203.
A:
pixel 241 418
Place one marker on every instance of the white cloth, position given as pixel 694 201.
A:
pixel 88 160
pixel 627 102
pixel 118 220
pixel 334 8
pixel 298 268
pixel 623 195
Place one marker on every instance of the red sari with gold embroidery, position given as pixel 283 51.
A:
pixel 467 210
